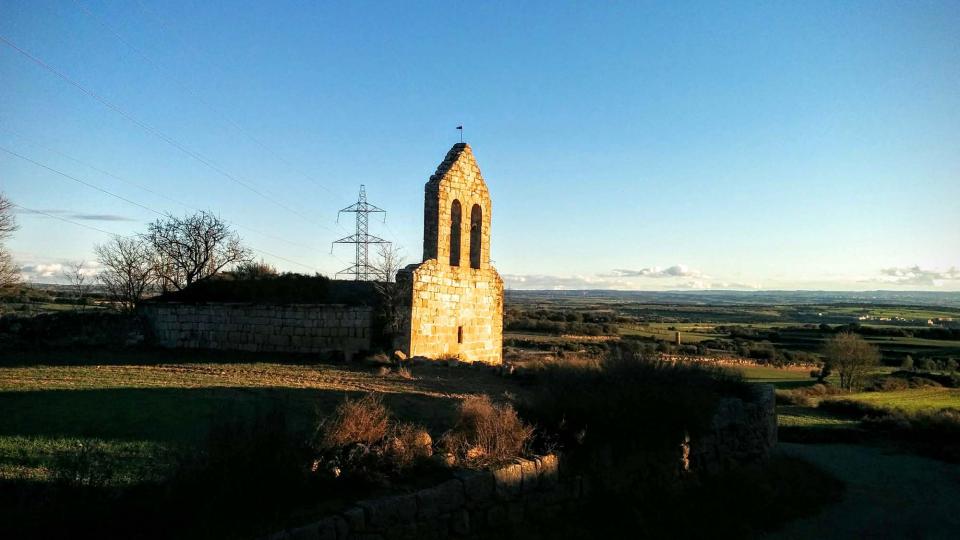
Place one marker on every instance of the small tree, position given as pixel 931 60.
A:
pixel 9 272
pixel 851 356
pixel 907 363
pixel 76 276
pixel 928 364
pixel 952 365
pixel 193 248
pixel 128 271
pixel 392 302
pixel 389 261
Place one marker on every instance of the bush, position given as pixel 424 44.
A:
pixel 363 420
pixel 849 407
pixel 789 397
pixel 487 433
pixel 629 402
pixel 360 441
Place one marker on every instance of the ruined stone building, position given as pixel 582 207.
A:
pixel 450 305
pixel 455 295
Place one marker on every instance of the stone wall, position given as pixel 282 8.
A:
pixel 452 312
pixel 742 431
pixel 532 492
pixel 474 504
pixel 70 329
pixel 294 328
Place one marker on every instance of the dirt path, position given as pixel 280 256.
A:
pixel 888 495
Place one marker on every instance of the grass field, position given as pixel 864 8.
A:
pixel 796 416
pixel 779 377
pixel 138 411
pixel 917 399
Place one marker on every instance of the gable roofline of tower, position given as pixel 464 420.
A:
pixel 462 153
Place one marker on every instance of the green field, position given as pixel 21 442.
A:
pixel 796 416
pixel 138 411
pixel 912 400
pixel 916 399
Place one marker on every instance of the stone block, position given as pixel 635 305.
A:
pixel 444 498
pixel 508 481
pixel 531 479
pixel 389 511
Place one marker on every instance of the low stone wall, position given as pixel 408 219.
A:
pixel 475 504
pixel 528 493
pixel 742 431
pixel 70 329
pixel 293 328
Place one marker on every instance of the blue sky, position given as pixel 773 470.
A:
pixel 636 145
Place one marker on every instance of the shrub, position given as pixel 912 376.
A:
pixel 849 407
pixel 628 410
pixel 361 441
pixel 363 420
pixel 487 433
pixel 790 397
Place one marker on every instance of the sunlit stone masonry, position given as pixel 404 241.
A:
pixel 455 295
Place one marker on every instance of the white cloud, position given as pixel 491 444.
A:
pixel 53 272
pixel 677 270
pixel 560 283
pixel 700 284
pixel 915 275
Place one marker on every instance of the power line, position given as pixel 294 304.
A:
pixel 61 218
pixel 99 170
pixel 155 132
pixel 148 190
pixel 37 163
pixel 75 179
pixel 70 221
pixel 236 125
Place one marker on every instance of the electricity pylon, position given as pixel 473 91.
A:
pixel 361 269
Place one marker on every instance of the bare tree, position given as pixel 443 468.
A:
pixel 9 272
pixel 76 276
pixel 193 248
pixel 128 269
pixel 851 356
pixel 389 260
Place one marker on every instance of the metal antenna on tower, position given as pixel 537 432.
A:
pixel 361 269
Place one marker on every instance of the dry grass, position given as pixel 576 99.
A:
pixel 365 420
pixel 487 433
pixel 404 373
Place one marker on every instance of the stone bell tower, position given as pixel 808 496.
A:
pixel 455 295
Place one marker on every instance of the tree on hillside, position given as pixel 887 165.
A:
pixel 907 363
pixel 851 357
pixel 128 269
pixel 76 276
pixel 9 273
pixel 193 248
